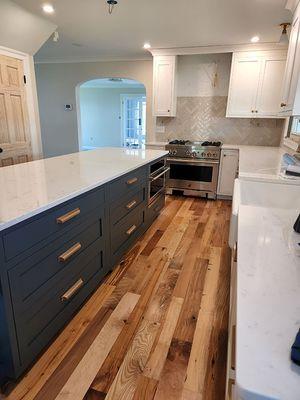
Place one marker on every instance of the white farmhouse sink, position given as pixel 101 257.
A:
pixel 261 194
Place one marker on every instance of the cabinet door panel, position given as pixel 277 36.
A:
pixel 243 87
pixel 164 96
pixel 228 172
pixel 271 85
pixel 291 70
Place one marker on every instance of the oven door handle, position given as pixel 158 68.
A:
pixel 191 161
pixel 152 179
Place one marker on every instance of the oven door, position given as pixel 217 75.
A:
pixel 201 175
pixel 157 184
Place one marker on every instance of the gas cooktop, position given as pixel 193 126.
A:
pixel 190 143
pixel 201 150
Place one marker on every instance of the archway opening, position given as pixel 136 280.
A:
pixel 112 113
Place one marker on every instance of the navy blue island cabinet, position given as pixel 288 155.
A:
pixel 52 262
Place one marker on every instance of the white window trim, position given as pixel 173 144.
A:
pixel 31 99
pixel 122 97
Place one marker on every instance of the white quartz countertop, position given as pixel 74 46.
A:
pixel 268 305
pixel 30 188
pixel 262 163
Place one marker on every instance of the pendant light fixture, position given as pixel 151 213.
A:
pixel 111 4
pixel 284 39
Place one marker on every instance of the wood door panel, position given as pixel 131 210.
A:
pixel 14 124
pixel 19 122
pixel 4 130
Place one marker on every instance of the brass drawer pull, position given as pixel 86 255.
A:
pixel 69 253
pixel 132 181
pixel 68 216
pixel 283 105
pixel 131 230
pixel 131 204
pixel 72 291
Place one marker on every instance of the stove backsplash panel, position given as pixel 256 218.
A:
pixel 205 118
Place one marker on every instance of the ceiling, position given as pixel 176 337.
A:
pixel 88 32
pixel 106 83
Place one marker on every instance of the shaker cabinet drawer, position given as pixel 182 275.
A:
pixel 125 233
pixel 50 224
pixel 127 183
pixel 126 204
pixel 32 274
pixel 48 310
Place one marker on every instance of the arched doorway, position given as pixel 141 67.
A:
pixel 111 113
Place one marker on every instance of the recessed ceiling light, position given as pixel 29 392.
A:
pixel 147 46
pixel 255 39
pixel 48 8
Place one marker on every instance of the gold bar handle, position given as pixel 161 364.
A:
pixel 72 291
pixel 132 181
pixel 68 216
pixel 131 230
pixel 70 252
pixel 131 204
pixel 283 105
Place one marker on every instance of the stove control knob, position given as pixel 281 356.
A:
pixel 188 153
pixel 194 154
pixel 203 154
pixel 173 152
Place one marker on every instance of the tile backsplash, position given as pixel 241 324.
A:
pixel 204 118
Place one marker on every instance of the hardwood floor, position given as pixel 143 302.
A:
pixel 157 327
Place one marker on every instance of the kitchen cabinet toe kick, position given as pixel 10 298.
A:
pixel 51 263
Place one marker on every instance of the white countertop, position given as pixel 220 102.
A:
pixel 268 305
pixel 30 188
pixel 261 163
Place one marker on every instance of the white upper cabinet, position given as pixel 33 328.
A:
pixel 290 100
pixel 256 84
pixel 164 86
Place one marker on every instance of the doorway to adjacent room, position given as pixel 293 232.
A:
pixel 112 113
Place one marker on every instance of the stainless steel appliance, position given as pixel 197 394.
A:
pixel 193 168
pixel 157 179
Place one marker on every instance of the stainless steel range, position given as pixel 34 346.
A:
pixel 194 168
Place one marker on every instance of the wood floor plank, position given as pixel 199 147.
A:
pixel 125 383
pixel 196 370
pixel 187 321
pixel 84 374
pixel 174 372
pixel 146 388
pixel 156 362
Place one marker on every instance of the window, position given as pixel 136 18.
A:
pixel 133 120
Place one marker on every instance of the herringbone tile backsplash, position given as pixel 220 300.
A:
pixel 204 118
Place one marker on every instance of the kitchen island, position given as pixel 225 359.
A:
pixel 65 222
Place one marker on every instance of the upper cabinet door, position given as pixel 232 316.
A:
pixel 270 87
pixel 164 86
pixel 256 84
pixel 243 86
pixel 291 70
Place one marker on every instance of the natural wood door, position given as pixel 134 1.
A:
pixel 15 144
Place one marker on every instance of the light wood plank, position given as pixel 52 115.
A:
pixel 83 376
pixel 156 362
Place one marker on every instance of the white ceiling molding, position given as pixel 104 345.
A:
pixel 183 51
pixel 148 57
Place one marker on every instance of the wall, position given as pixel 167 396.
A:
pixel 100 110
pixel 21 30
pixel 203 82
pixel 56 86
